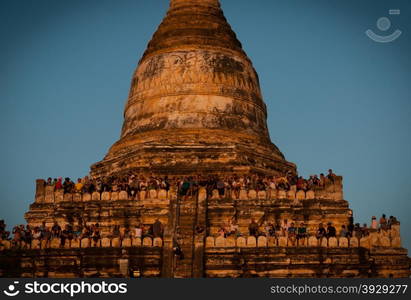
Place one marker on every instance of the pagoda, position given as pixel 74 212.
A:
pixel 195 108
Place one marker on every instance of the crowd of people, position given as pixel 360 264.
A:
pixel 291 229
pixel 186 186
pixel 26 233
pixel 298 230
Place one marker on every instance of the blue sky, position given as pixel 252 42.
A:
pixel 335 98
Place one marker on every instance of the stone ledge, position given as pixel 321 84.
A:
pixel 104 242
pixel 378 239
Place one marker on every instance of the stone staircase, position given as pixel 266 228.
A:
pixel 185 213
pixel 185 236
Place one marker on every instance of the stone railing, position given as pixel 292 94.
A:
pixel 291 195
pixel 390 238
pixel 294 196
pixel 105 242
pixel 332 191
pixel 56 196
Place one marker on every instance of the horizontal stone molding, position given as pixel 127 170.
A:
pixel 105 242
pixel 59 196
pixel 274 194
pixel 329 192
pixel 379 240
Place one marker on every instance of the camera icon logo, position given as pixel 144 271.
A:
pixel 12 291
pixel 383 24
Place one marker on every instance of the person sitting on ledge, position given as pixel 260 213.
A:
pixel 282 183
pixel 4 234
pixel 365 230
pixel 221 188
pixel 321 232
pixel 343 231
pixel 116 231
pixel 316 180
pixel 78 188
pixel 268 229
pixel 301 184
pixel 392 221
pixel 323 180
pixel 37 233
pixel 185 186
pixel 165 184
pixel 77 232
pixel 28 236
pixel 59 184
pixel 96 234
pixel 292 231
pixel 147 231
pixel 46 236
pixel 68 185
pixel 65 234
pixel 126 232
pixel 271 187
pixel 49 182
pixel 273 230
pixel 357 231
pixel 302 231
pixel 138 231
pixel 133 187
pixel 222 232
pixel 232 227
pixel 331 176
pixel 16 236
pixel 284 227
pixel 331 232
pixel 374 224
pixel 253 228
pixel 86 232
pixel 56 230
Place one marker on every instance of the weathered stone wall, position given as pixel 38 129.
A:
pixel 81 262
pixel 108 209
pixel 378 239
pixel 83 243
pixel 206 254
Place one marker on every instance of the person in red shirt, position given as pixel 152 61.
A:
pixel 59 184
